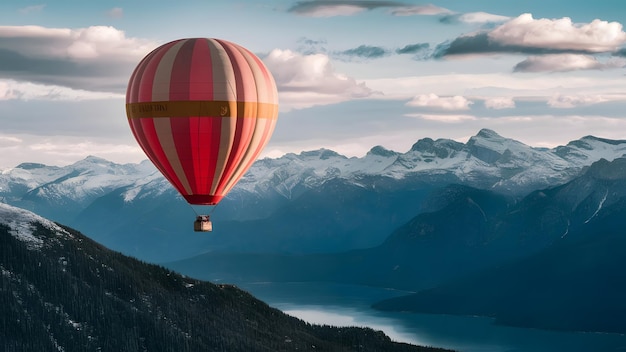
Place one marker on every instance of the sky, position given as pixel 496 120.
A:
pixel 351 75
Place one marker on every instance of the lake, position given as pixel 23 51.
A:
pixel 349 305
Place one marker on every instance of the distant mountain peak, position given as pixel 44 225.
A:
pixel 604 140
pixel 30 166
pixel 322 154
pixel 488 133
pixel 93 160
pixel 422 144
pixel 487 160
pixel 608 170
pixel 382 151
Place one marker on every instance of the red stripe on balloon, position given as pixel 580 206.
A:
pixel 209 128
pixel 144 91
pixel 156 154
pixel 182 128
pixel 140 87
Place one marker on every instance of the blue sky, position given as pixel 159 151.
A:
pixel 351 74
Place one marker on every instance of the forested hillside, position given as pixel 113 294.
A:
pixel 61 291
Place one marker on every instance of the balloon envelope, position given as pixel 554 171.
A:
pixel 202 110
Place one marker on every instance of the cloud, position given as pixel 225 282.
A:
pixel 116 12
pixel 447 118
pixel 33 8
pixel 572 101
pixel 55 64
pixel 93 58
pixel 434 101
pixel 307 80
pixel 420 50
pixel 482 17
pixel 11 89
pixel 560 34
pixel 64 150
pixel 366 51
pixel 499 103
pixel 566 62
pixel 330 8
pixel 527 35
pixel 9 141
pixel 503 93
pixel 413 48
pixel 474 18
pixel 427 10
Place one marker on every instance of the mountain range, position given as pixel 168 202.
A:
pixel 553 259
pixel 62 291
pixel 313 202
pixel 575 283
pixel 524 233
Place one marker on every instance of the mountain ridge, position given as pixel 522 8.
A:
pixel 61 291
pixel 385 189
pixel 425 155
pixel 530 262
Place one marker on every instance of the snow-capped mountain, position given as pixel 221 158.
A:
pixel 61 192
pixel 327 199
pixel 551 260
pixel 82 180
pixel 487 160
pixel 22 225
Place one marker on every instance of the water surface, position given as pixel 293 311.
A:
pixel 349 305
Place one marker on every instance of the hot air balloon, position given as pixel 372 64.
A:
pixel 202 109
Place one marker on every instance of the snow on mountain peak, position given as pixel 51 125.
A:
pixel 321 154
pixel 30 166
pixel 22 226
pixel 486 157
pixel 486 160
pixel 488 133
pixel 490 140
pixel 382 151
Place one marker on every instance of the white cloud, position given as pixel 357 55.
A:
pixel 64 150
pixel 9 141
pixel 566 62
pixel 93 58
pixel 444 118
pixel 33 8
pixel 349 8
pixel 104 42
pixel 456 102
pixel 428 9
pixel 572 101
pixel 485 86
pixel 561 34
pixel 335 10
pixel 498 103
pixel 307 80
pixel 116 12
pixel 482 17
pixel 11 89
